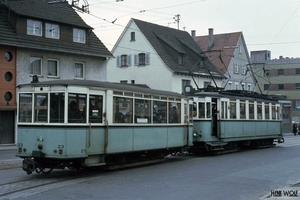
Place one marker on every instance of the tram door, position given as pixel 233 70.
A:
pixel 96 117
pixel 7 119
pixel 215 113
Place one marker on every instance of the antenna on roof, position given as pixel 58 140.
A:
pixel 84 7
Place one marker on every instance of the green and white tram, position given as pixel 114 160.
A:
pixel 81 123
pixel 227 120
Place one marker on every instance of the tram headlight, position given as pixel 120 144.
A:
pixel 195 134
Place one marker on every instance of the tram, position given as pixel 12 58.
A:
pixel 225 121
pixel 83 123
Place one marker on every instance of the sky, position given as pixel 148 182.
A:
pixel 272 25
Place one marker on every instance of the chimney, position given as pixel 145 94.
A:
pixel 193 33
pixel 210 38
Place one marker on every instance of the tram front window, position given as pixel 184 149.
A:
pixel 25 107
pixel 40 107
pixel 57 105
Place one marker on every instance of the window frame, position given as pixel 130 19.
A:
pixel 82 70
pixel 49 31
pixel 32 72
pixel 57 68
pixel 79 35
pixel 36 25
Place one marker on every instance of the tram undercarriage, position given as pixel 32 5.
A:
pixel 111 161
pixel 232 146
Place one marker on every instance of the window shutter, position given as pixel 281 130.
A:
pixel 147 59
pixel 128 60
pixel 118 61
pixel 136 59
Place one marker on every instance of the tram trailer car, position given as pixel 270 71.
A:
pixel 225 121
pixel 81 123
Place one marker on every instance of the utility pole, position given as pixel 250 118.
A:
pixel 177 18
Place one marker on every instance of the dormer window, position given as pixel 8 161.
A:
pixel 79 35
pixel 52 31
pixel 180 59
pixel 34 27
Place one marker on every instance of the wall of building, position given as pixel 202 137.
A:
pixel 95 68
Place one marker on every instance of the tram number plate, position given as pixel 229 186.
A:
pixel 60 146
pixel 83 151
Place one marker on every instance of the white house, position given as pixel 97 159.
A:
pixel 160 57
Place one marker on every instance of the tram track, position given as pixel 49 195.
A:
pixel 24 187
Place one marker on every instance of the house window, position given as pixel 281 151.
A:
pixel 297 71
pixel 142 59
pixel 236 69
pixel 240 49
pixel 34 27
pixel 297 86
pixel 180 59
pixel 132 36
pixel 52 67
pixel 244 69
pixel 124 81
pixel 52 31
pixel 79 70
pixel 280 72
pixel 280 86
pixel 35 66
pixel 184 83
pixel 266 86
pixel 79 35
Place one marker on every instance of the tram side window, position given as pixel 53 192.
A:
pixel 40 108
pixel 201 110
pixel 174 112
pixel 242 110
pixel 273 112
pixel 193 110
pixel 259 111
pixel 208 110
pixel 122 110
pixel 57 105
pixel 75 111
pixel 25 107
pixel 142 111
pixel 232 110
pixel 159 112
pixel 224 110
pixel 267 113
pixel 251 111
pixel 95 109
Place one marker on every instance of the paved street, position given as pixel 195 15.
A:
pixel 249 174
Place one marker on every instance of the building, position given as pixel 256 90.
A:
pixel 47 39
pixel 279 77
pixel 229 53
pixel 160 57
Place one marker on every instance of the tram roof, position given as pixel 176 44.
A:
pixel 103 84
pixel 238 94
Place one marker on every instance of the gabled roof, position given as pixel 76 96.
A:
pixel 222 50
pixel 61 13
pixel 56 11
pixel 167 40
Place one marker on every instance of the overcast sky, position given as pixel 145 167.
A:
pixel 266 24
